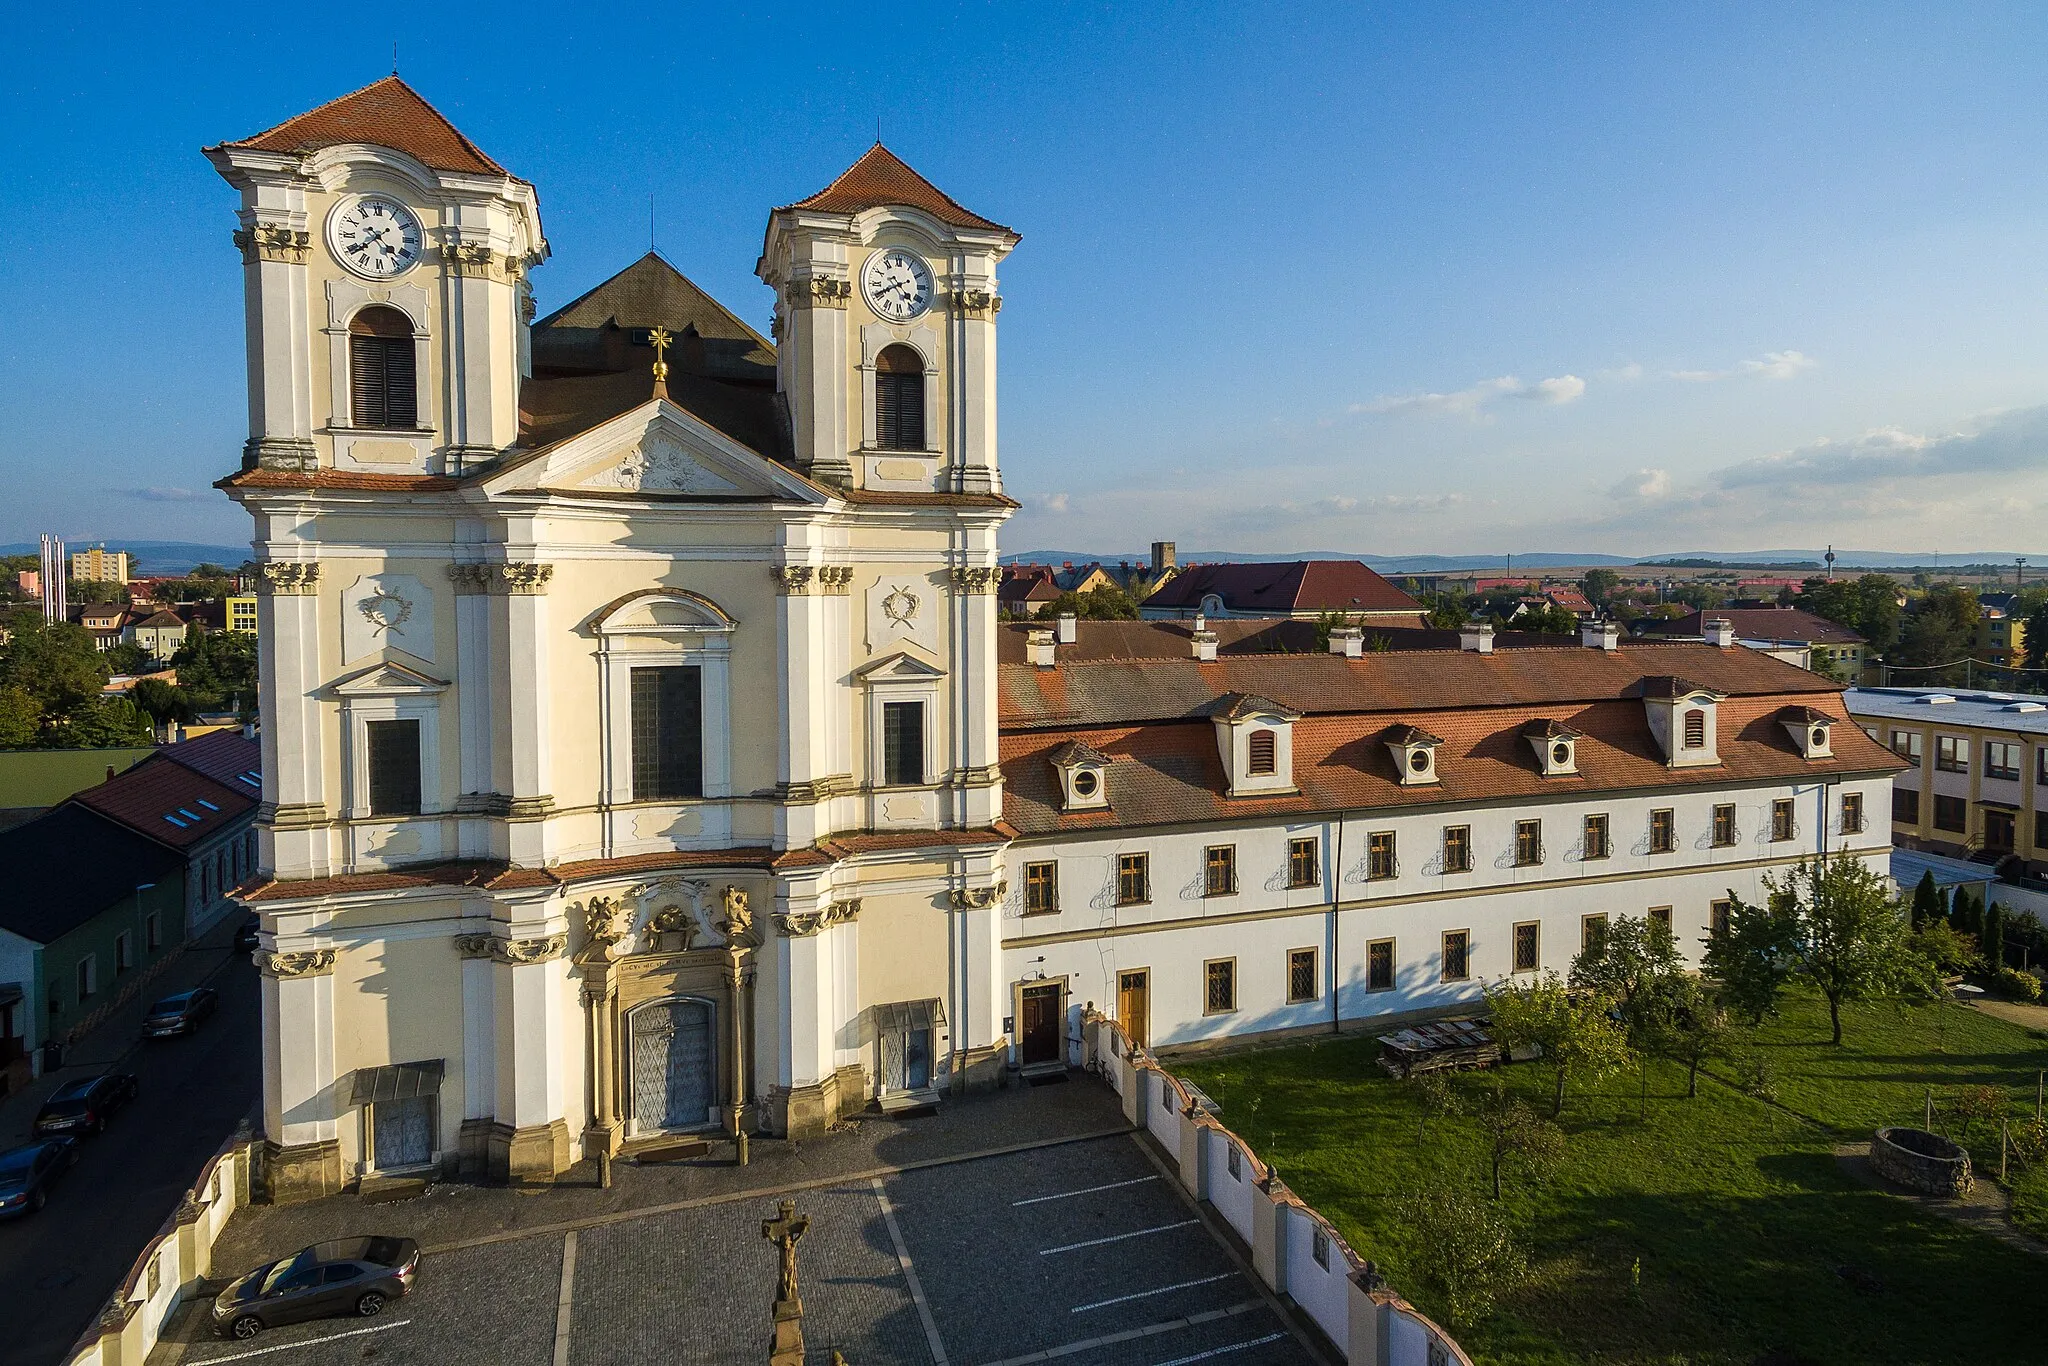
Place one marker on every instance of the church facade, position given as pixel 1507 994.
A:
pixel 637 723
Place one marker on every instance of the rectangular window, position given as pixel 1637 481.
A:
pixel 1852 813
pixel 1041 888
pixel 394 768
pixel 1598 844
pixel 1724 826
pixel 1457 848
pixel 1717 916
pixel 1379 856
pixel 1951 814
pixel 1219 986
pixel 2041 764
pixel 1661 915
pixel 1528 946
pixel 1906 744
pixel 903 744
pixel 1528 843
pixel 1457 966
pixel 124 952
pixel 1301 862
pixel 2001 760
pixel 1133 879
pixel 88 977
pixel 1952 753
pixel 1905 806
pixel 1695 729
pixel 1264 752
pixel 668 734
pixel 1783 824
pixel 1379 965
pixel 1219 870
pixel 1304 983
pixel 153 931
pixel 1663 831
pixel 1592 931
pixel 2041 829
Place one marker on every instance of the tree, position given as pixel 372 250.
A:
pixel 1926 901
pixel 1633 963
pixel 21 720
pixel 1694 1028
pixel 128 658
pixel 1518 1137
pixel 96 590
pixel 1992 940
pixel 1852 939
pixel 1446 610
pixel 52 673
pixel 1966 913
pixel 104 723
pixel 1439 1098
pixel 1868 605
pixel 1599 586
pixel 1573 1030
pixel 1107 603
pixel 2037 637
pixel 1464 1248
pixel 1941 631
pixel 1752 956
pixel 1948 950
pixel 217 669
pixel 162 702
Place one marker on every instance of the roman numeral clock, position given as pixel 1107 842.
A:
pixel 375 237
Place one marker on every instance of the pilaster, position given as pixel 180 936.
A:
pixel 973 364
pixel 529 994
pixel 299 1096
pixel 803 605
pixel 521 770
pixel 481 297
pixel 276 241
pixel 291 739
pixel 817 388
pixel 974 699
pixel 472 583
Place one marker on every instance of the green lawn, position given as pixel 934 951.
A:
pixel 1754 1246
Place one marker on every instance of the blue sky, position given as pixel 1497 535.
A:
pixel 1392 279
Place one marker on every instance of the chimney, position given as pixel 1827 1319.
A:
pixel 1476 636
pixel 1204 646
pixel 1720 631
pixel 1066 621
pixel 1348 641
pixel 1201 622
pixel 1600 635
pixel 249 730
pixel 1162 556
pixel 1038 648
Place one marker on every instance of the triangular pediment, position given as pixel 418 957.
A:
pixel 655 451
pixel 387 679
pixel 898 666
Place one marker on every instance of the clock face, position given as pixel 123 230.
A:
pixel 375 237
pixel 898 284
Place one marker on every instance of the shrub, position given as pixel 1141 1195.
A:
pixel 1757 1075
pixel 2021 986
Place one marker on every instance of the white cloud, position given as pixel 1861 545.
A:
pixel 1054 502
pixel 162 495
pixel 1644 484
pixel 2014 442
pixel 1777 365
pixel 1473 400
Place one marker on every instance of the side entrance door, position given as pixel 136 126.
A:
pixel 1040 1037
pixel 672 1066
pixel 1133 1002
pixel 1998 830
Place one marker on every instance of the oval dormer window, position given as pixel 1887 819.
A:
pixel 1085 783
pixel 1819 738
pixel 1560 754
pixel 1419 761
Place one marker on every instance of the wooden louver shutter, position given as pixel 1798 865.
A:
pixel 383 389
pixel 366 381
pixel 1264 752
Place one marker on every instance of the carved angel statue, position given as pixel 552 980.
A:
pixel 606 920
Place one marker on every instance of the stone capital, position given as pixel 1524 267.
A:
pixel 298 963
pixel 273 242
pixel 794 580
pixel 978 898
pixel 291 578
pixel 977 579
pixel 469 578
pixel 473 259
pixel 524 580
pixel 519 952
pixel 817 292
pixel 977 303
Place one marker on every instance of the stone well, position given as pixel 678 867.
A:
pixel 1922 1161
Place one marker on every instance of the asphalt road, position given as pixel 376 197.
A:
pixel 59 1268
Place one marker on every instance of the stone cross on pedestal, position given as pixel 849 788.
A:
pixel 784 1231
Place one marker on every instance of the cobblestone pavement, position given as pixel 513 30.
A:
pixel 1078 1250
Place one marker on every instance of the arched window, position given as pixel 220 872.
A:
pixel 382 390
pixel 899 400
pixel 1265 753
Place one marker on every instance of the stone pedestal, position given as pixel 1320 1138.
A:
pixel 304 1171
pixel 788 1343
pixel 535 1155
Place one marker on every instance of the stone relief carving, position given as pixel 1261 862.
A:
pixel 819 293
pixel 661 465
pixel 470 579
pixel 515 951
pixel 738 924
pixel 978 898
pixel 291 578
pixel 298 963
pixel 835 578
pixel 804 924
pixel 607 921
pixel 793 580
pixel 899 610
pixel 381 611
pixel 474 945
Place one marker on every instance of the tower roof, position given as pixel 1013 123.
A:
pixel 388 113
pixel 881 177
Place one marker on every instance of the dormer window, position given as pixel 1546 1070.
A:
pixel 1811 730
pixel 1263 749
pixel 1682 716
pixel 1414 752
pixel 1556 746
pixel 1083 773
pixel 1255 739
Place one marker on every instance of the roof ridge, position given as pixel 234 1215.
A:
pixel 879 155
pixel 393 80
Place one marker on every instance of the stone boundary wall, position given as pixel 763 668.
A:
pixel 1295 1251
pixel 173 1267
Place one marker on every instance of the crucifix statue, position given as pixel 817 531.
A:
pixel 659 339
pixel 784 1231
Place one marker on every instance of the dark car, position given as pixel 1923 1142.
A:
pixel 351 1276
pixel 26 1174
pixel 179 1014
pixel 245 937
pixel 82 1107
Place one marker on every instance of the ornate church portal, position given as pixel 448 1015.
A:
pixel 673 1070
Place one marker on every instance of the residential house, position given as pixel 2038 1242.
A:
pixel 1025 588
pixel 1300 588
pixel 2001 632
pixel 241 612
pixel 29 582
pixel 1791 633
pixel 105 622
pixel 159 633
pixel 1977 785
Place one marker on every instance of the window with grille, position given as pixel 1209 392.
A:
pixel 1718 915
pixel 1133 879
pixel 1457 966
pixel 903 743
pixel 1724 826
pixel 668 733
pixel 2001 760
pixel 899 400
pixel 1783 826
pixel 1219 986
pixel 1905 806
pixel 1301 863
pixel 1041 888
pixel 1219 870
pixel 1952 753
pixel 1952 814
pixel 1457 848
pixel 1592 932
pixel 1379 855
pixel 394 754
pixel 1695 729
pixel 1265 753
pixel 1379 965
pixel 1528 946
pixel 1597 841
pixel 1660 918
pixel 1528 843
pixel 1663 831
pixel 1303 982
pixel 382 388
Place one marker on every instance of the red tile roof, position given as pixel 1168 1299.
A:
pixel 345 480
pixel 881 178
pixel 387 113
pixel 226 756
pixel 170 803
pixel 1297 586
pixel 1760 623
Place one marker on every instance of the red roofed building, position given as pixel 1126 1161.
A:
pixel 1300 588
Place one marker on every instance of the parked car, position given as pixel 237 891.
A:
pixel 350 1276
pixel 27 1173
pixel 245 937
pixel 179 1014
pixel 83 1107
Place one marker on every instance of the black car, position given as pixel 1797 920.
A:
pixel 245 937
pixel 351 1276
pixel 179 1014
pixel 82 1107
pixel 26 1174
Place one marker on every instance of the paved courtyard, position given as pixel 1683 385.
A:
pixel 1053 1246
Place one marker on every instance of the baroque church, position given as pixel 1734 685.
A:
pixel 644 758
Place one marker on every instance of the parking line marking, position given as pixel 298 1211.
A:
pixel 1146 1294
pixel 568 1295
pixel 924 1310
pixel 309 1342
pixel 1116 1238
pixel 1224 1351
pixel 1129 1334
pixel 1086 1190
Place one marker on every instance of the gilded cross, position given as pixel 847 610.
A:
pixel 659 340
pixel 784 1231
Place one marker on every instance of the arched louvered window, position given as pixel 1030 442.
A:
pixel 899 400
pixel 1695 729
pixel 1265 753
pixel 383 391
